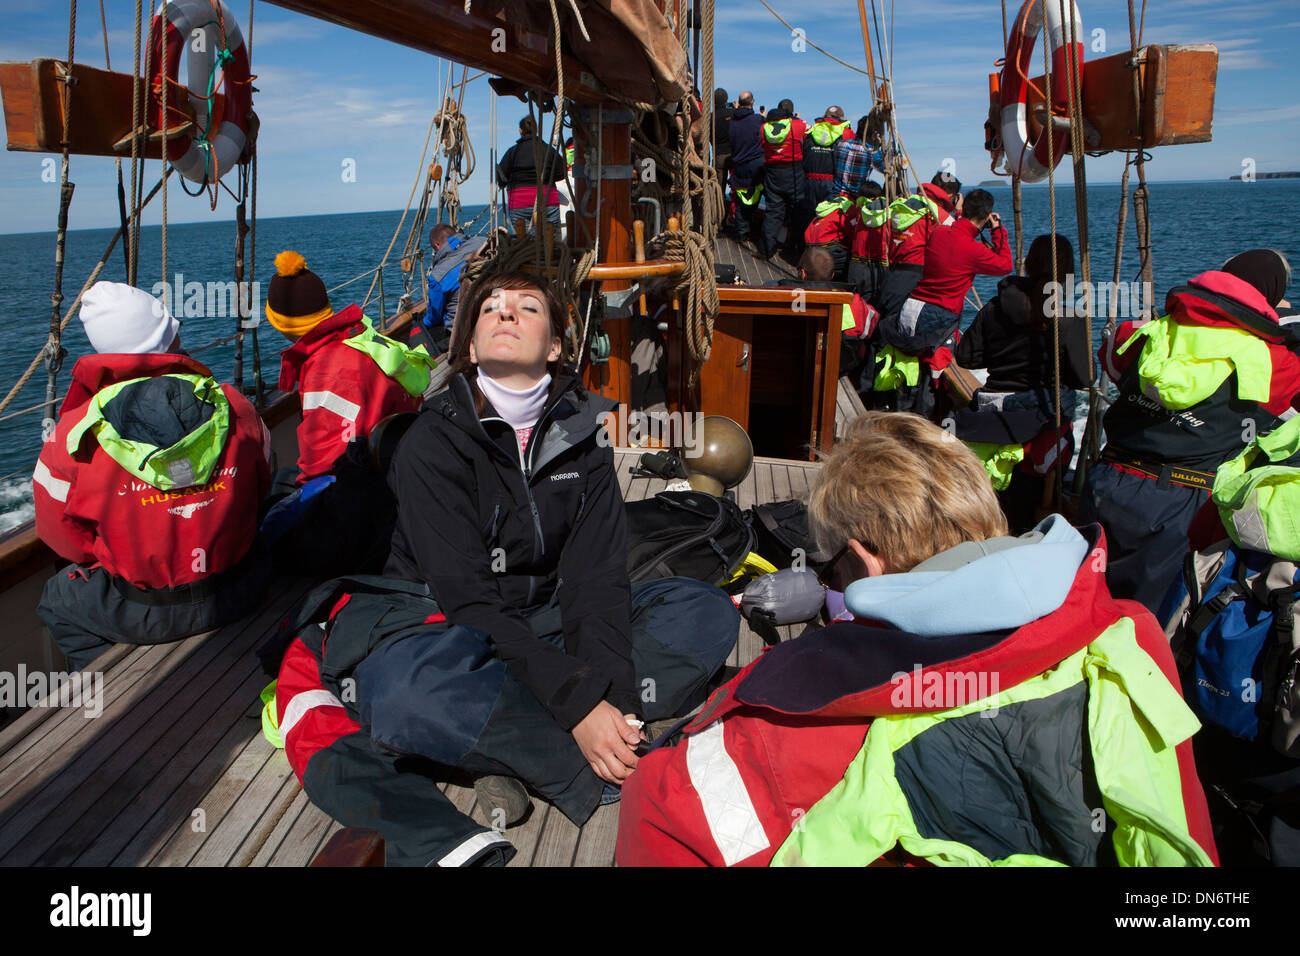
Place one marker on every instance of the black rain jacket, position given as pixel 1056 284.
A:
pixel 496 533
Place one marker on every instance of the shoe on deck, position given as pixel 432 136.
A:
pixel 504 793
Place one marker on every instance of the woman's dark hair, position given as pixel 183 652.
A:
pixel 870 189
pixel 949 183
pixel 977 205
pixel 467 316
pixel 1038 260
pixel 787 105
pixel 719 99
pixel 1038 268
pixel 528 126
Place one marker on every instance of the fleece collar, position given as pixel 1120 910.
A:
pixel 993 585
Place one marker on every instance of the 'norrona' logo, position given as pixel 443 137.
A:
pixel 565 475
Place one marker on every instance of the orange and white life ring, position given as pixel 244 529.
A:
pixel 220 85
pixel 1030 160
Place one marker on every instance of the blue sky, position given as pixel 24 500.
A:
pixel 327 95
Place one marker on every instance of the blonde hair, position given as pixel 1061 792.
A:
pixel 905 488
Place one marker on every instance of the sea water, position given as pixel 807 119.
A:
pixel 1194 226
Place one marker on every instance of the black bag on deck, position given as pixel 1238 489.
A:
pixel 781 527
pixel 686 534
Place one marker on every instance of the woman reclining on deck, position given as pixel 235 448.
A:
pixel 507 639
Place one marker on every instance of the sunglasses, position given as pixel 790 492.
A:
pixel 838 573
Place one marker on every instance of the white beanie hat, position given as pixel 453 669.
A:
pixel 121 318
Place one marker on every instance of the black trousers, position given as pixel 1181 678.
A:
pixel 433 695
pixel 1146 530
pixel 86 612
pixel 784 189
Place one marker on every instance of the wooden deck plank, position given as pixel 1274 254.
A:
pixel 525 836
pixel 276 838
pixel 162 821
pixel 185 842
pixel 745 491
pixel 207 750
pixel 798 481
pixel 596 841
pixel 763 481
pixel 28 727
pixel 781 483
pixel 254 813
pixel 305 837
pixel 154 759
pixel 558 841
pixel 63 723
pixel 43 788
pixel 622 462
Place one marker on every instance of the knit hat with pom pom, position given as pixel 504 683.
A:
pixel 297 300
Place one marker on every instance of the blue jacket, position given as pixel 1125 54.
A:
pixel 745 134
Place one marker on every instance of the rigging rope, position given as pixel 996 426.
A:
pixel 76 303
pixel 414 186
pixel 136 84
pixel 856 69
pixel 54 351
pixel 697 287
pixel 1058 469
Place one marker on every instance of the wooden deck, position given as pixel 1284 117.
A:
pixel 750 269
pixel 175 771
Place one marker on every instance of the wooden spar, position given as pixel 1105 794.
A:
pixel 100 120
pixel 442 27
pixel 866 43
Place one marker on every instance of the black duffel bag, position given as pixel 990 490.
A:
pixel 686 534
pixel 781 527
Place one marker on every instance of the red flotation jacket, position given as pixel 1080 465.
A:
pixel 345 391
pixel 154 471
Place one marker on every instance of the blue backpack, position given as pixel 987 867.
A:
pixel 1231 621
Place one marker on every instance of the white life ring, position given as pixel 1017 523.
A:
pixel 1030 160
pixel 206 32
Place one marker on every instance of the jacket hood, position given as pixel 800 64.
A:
pixel 741 112
pixel 168 429
pixel 95 372
pixel 939 195
pixel 851 669
pixel 1015 300
pixel 1219 298
pixel 336 327
pixel 992 585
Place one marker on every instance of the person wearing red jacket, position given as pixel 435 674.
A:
pixel 979 698
pixel 350 377
pixel 929 323
pixel 782 137
pixel 911 220
pixel 149 486
pixel 832 229
pixel 338 517
pixel 869 242
pixel 1196 385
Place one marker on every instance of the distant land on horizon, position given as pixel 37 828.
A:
pixel 1288 175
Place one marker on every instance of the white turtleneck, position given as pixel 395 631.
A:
pixel 520 409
